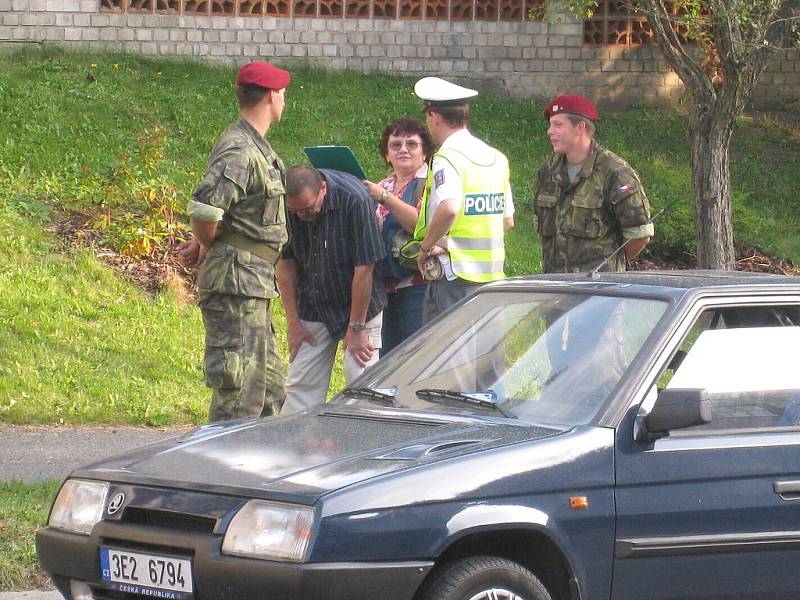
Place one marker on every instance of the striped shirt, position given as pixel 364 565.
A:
pixel 327 250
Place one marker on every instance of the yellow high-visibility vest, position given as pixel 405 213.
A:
pixel 476 239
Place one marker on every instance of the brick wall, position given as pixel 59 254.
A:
pixel 524 59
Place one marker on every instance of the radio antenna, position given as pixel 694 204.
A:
pixel 593 273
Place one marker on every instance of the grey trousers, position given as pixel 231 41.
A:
pixel 310 371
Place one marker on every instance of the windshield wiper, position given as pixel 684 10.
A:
pixel 385 395
pixel 487 399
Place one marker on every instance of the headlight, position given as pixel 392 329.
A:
pixel 79 506
pixel 269 530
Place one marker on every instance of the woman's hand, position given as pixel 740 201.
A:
pixel 375 191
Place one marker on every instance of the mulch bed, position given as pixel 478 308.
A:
pixel 748 259
pixel 164 269
pixel 150 273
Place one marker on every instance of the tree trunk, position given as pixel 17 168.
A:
pixel 710 128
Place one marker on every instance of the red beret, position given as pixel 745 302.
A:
pixel 576 105
pixel 264 75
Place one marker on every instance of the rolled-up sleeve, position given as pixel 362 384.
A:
pixel 630 205
pixel 639 232
pixel 224 183
pixel 204 212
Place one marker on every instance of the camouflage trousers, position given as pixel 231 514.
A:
pixel 242 365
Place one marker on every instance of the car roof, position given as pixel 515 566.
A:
pixel 671 283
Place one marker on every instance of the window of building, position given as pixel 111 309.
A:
pixel 453 10
pixel 614 23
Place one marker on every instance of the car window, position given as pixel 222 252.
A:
pixel 746 359
pixel 550 358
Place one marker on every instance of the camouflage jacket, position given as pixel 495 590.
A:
pixel 243 190
pixel 582 223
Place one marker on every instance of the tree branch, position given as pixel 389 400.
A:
pixel 691 73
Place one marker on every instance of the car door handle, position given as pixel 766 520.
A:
pixel 788 490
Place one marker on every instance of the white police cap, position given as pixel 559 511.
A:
pixel 438 91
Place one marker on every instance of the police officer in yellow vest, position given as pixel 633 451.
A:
pixel 460 227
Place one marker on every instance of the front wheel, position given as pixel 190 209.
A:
pixel 486 578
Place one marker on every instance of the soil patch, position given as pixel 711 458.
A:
pixel 163 269
pixel 160 270
pixel 747 259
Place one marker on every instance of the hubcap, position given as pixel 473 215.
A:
pixel 496 594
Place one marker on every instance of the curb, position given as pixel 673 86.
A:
pixel 31 595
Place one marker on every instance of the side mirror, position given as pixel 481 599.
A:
pixel 674 409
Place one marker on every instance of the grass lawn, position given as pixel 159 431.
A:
pixel 123 136
pixel 123 139
pixel 23 508
pixel 79 345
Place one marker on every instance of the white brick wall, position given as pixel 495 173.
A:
pixel 526 59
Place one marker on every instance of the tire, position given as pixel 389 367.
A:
pixel 486 578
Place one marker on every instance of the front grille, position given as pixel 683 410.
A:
pixel 168 520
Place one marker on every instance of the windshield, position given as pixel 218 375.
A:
pixel 548 358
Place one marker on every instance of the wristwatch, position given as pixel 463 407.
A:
pixel 384 197
pixel 356 326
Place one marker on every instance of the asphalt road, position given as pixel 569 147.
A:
pixel 40 453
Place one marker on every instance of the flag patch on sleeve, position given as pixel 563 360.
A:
pixel 438 178
pixel 625 188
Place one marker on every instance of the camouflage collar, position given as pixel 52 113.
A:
pixel 588 166
pixel 258 139
pixel 588 162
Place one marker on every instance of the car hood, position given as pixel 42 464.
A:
pixel 301 457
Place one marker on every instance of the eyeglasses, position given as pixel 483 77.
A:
pixel 310 208
pixel 410 145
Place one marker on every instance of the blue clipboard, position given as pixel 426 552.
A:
pixel 340 158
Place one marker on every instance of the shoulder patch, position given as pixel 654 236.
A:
pixel 438 178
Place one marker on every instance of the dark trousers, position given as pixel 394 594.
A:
pixel 402 316
pixel 443 294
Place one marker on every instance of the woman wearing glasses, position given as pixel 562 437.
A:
pixel 406 146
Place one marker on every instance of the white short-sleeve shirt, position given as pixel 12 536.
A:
pixel 447 181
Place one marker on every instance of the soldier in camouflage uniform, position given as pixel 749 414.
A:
pixel 588 201
pixel 237 215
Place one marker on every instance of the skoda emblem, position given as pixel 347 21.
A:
pixel 115 504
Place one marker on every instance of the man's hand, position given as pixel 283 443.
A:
pixel 191 253
pixel 358 345
pixel 296 334
pixel 634 247
pixel 424 256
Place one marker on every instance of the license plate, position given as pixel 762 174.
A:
pixel 146 574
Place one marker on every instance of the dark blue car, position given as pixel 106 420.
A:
pixel 629 437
